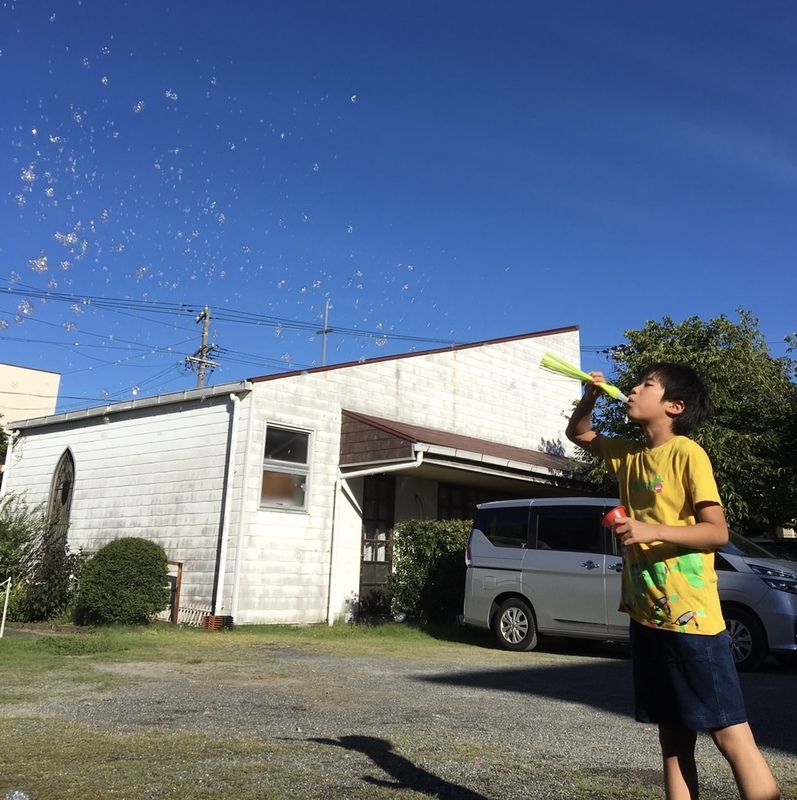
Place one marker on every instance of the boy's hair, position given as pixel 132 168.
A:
pixel 681 382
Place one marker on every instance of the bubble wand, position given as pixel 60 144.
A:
pixel 561 367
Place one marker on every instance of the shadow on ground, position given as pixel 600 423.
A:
pixel 605 683
pixel 406 775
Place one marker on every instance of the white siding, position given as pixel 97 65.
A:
pixel 157 475
pixel 496 391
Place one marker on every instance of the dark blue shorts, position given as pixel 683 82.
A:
pixel 685 679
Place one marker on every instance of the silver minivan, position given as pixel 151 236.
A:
pixel 548 566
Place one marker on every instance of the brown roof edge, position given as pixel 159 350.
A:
pixel 419 434
pixel 380 359
pixel 386 425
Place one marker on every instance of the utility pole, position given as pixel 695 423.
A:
pixel 324 333
pixel 200 359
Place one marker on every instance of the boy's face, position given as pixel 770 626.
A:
pixel 646 402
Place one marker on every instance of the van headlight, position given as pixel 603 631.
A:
pixel 782 584
pixel 776 578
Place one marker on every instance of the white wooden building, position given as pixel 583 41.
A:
pixel 275 497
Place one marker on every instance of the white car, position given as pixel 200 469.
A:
pixel 548 566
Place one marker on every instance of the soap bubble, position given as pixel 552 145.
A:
pixel 38 264
pixel 67 239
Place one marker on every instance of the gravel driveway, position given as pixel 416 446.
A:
pixel 551 724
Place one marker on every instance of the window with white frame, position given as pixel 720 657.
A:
pixel 286 468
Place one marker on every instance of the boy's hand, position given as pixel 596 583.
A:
pixel 632 531
pixel 592 390
pixel 579 429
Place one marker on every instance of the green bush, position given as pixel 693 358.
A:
pixel 428 579
pixel 38 561
pixel 51 581
pixel 126 581
pixel 17 610
pixel 21 528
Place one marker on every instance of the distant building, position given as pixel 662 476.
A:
pixel 275 498
pixel 26 393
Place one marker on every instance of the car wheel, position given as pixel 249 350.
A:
pixel 748 639
pixel 514 626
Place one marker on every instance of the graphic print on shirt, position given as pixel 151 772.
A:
pixel 655 590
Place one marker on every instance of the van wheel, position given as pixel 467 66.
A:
pixel 748 639
pixel 514 626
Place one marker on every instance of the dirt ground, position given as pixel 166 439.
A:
pixel 547 724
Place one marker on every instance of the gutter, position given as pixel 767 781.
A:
pixel 11 437
pixel 188 395
pixel 226 497
pixel 239 540
pixel 360 473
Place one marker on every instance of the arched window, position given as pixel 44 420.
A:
pixel 60 502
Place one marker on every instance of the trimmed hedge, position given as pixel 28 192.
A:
pixel 428 579
pixel 125 582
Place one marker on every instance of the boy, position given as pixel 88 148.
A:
pixel 684 676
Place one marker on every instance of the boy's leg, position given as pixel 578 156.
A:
pixel 753 776
pixel 678 754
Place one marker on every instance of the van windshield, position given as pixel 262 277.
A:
pixel 739 545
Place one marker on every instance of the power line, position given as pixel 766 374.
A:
pixel 229 315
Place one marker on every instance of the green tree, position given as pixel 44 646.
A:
pixel 752 437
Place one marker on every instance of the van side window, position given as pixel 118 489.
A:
pixel 504 527
pixel 573 530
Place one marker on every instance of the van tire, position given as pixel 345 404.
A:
pixel 514 626
pixel 748 639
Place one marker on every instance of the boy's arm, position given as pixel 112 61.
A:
pixel 708 533
pixel 579 428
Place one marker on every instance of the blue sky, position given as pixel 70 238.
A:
pixel 437 171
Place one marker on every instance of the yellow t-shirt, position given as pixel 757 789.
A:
pixel 664 585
